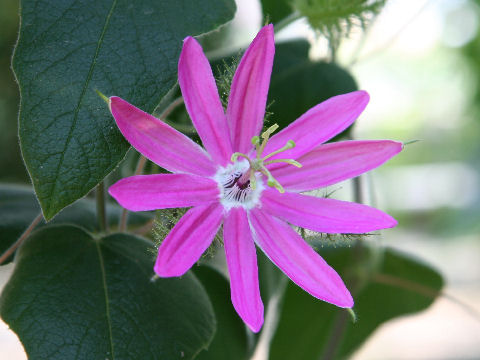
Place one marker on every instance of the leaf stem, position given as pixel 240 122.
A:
pixel 101 209
pixel 173 105
pixel 20 240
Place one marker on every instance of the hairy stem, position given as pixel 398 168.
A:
pixel 101 208
pixel 20 240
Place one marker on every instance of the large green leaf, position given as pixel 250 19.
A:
pixel 390 286
pixel 299 84
pixel 230 341
pixel 18 208
pixel 72 296
pixel 66 49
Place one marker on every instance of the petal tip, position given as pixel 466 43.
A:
pixel 254 324
pixel 363 96
pixel 163 270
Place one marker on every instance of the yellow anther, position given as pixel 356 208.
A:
pixel 266 134
pixel 255 140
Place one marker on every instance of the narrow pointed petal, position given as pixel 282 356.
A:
pixel 248 95
pixel 298 260
pixel 334 162
pixel 188 240
pixel 159 142
pixel 319 124
pixel 202 101
pixel 242 266
pixel 151 192
pixel 325 215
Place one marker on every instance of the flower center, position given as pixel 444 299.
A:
pixel 235 188
pixel 258 165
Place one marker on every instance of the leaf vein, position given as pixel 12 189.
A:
pixel 80 100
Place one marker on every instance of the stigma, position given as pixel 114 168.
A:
pixel 236 188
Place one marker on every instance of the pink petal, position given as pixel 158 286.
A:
pixel 298 260
pixel 319 124
pixel 248 95
pixel 325 215
pixel 202 101
pixel 151 192
pixel 159 142
pixel 331 163
pixel 188 240
pixel 242 266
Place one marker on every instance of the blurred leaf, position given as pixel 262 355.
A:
pixel 230 341
pixel 335 19
pixel 18 208
pixel 75 297
pixel 276 10
pixel 395 285
pixel 10 158
pixel 68 49
pixel 299 84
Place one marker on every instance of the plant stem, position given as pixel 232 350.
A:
pixel 287 21
pixel 124 217
pixel 173 105
pixel 340 323
pixel 20 240
pixel 101 209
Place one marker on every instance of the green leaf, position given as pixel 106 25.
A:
pixel 68 49
pixel 18 208
pixel 298 84
pixel 393 285
pixel 230 341
pixel 75 297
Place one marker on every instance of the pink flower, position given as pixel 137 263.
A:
pixel 249 183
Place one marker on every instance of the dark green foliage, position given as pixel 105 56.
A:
pixel 18 207
pixel 72 296
pixel 68 49
pixel 230 341
pixel 276 10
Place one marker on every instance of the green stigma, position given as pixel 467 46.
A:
pixel 259 163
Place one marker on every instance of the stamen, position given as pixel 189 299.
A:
pixel 237 154
pixel 289 145
pixel 288 161
pixel 258 165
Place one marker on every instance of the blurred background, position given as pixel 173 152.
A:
pixel 420 62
